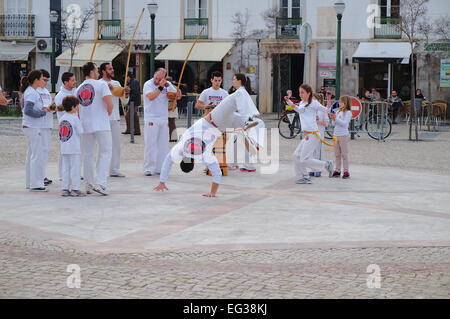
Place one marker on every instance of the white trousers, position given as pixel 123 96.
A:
pixel 34 164
pixel 115 156
pixel 71 171
pixel 318 152
pixel 156 137
pixel 304 156
pixel 103 139
pixel 46 139
pixel 257 133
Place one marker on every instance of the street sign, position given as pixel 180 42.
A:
pixel 305 35
pixel 355 106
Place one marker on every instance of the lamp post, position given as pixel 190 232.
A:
pixel 152 8
pixel 339 7
pixel 53 20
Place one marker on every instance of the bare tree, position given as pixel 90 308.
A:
pixel 412 13
pixel 442 27
pixel 73 25
pixel 270 18
pixel 240 33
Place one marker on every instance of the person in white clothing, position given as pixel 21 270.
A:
pixel 156 118
pixel 213 95
pixel 241 83
pixel 47 124
pixel 342 120
pixel 304 154
pixel 68 88
pixel 107 73
pixel 33 114
pixel 95 108
pixel 70 130
pixel 322 120
pixel 195 144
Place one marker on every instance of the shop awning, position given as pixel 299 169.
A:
pixel 382 52
pixel 12 51
pixel 104 52
pixel 203 51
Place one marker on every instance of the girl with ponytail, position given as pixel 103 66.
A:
pixel 32 122
pixel 304 154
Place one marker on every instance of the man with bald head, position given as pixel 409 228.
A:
pixel 156 114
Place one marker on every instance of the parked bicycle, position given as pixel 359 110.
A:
pixel 289 123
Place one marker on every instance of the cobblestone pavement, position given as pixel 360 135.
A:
pixel 36 267
pixel 28 271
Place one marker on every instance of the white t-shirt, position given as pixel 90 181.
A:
pixel 70 130
pixel 115 115
pixel 341 123
pixel 159 107
pixel 308 115
pixel 31 95
pixel 93 114
pixel 63 92
pixel 47 120
pixel 211 96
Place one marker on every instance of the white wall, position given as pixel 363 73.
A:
pixel 41 8
pixel 167 21
pixel 320 14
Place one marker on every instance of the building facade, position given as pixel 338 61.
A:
pixel 256 37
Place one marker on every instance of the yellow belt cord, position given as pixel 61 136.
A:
pixel 324 142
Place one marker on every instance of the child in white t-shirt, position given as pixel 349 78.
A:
pixel 70 130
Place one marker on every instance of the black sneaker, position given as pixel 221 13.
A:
pixel 39 189
pixel 346 175
pixel 336 174
pixel 47 181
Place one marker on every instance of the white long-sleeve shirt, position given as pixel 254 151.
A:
pixel 197 143
pixel 341 123
pixel 308 114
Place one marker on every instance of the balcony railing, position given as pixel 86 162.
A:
pixel 192 28
pixel 390 28
pixel 17 25
pixel 111 30
pixel 288 28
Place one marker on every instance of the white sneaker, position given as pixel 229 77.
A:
pixel 304 180
pixel 101 190
pixel 330 166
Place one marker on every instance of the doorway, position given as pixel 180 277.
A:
pixel 287 74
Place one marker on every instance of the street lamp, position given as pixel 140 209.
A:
pixel 152 8
pixel 339 7
pixel 53 19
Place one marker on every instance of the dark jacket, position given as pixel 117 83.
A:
pixel 135 92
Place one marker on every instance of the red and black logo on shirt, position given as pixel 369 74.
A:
pixel 86 94
pixel 65 131
pixel 194 146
